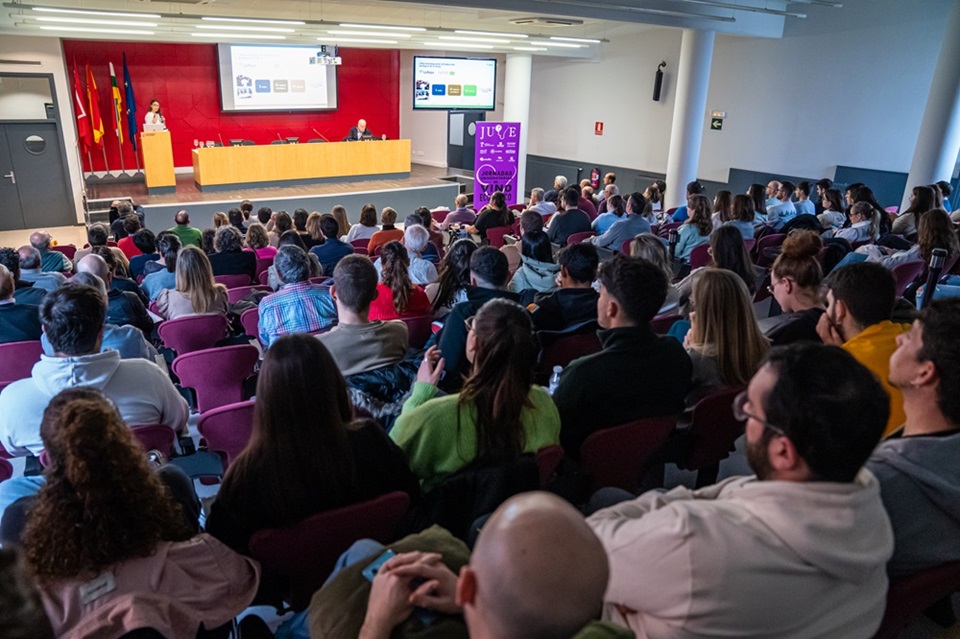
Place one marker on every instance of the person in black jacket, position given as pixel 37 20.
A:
pixel 123 308
pixel 493 215
pixel 18 322
pixel 575 302
pixel 571 220
pixel 637 374
pixel 230 258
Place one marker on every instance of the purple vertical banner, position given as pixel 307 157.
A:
pixel 495 162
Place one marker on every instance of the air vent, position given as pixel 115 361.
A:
pixel 546 22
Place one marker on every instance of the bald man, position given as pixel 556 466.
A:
pixel 183 230
pixel 123 308
pixel 31 271
pixel 360 132
pixel 537 571
pixel 50 261
pixel 773 187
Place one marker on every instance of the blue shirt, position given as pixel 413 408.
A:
pixel 690 239
pixel 746 228
pixel 780 213
pixel 680 215
pixel 604 221
pixel 127 340
pixel 296 308
pixel 155 282
pixel 626 228
pixel 805 207
pixel 330 253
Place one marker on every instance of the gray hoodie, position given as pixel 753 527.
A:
pixel 536 275
pixel 920 487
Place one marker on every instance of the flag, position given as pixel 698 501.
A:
pixel 131 104
pixel 84 132
pixel 117 104
pixel 93 102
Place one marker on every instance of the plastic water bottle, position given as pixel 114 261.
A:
pixel 555 379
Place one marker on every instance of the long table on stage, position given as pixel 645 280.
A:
pixel 229 167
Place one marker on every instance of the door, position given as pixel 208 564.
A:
pixel 33 178
pixel 462 142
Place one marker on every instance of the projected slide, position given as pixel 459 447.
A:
pixel 454 83
pixel 260 78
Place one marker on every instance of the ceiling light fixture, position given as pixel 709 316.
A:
pixel 256 20
pixel 370 34
pixel 86 30
pixel 565 45
pixel 492 33
pixel 114 14
pixel 361 40
pixel 228 27
pixel 238 36
pixel 348 25
pixel 586 40
pixel 453 45
pixel 633 9
pixel 481 40
pixel 529 48
pixel 109 23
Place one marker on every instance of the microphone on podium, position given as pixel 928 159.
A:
pixel 322 136
pixel 220 137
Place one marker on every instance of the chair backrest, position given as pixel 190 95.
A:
pixel 906 273
pixel 439 215
pixel 700 256
pixel 217 374
pixel 232 281
pixel 907 597
pixel 749 243
pixel 548 460
pixel 625 247
pixel 361 250
pixel 559 348
pixel 6 470
pixel 360 244
pixel 576 238
pixel 616 456
pixel 17 359
pixel 670 212
pixel 155 437
pixel 234 295
pixel 713 429
pixel 664 229
pixel 70 250
pixel 766 242
pixel 661 323
pixel 304 555
pixel 250 320
pixel 227 429
pixel 495 235
pixel 264 278
pixel 518 208
pixel 892 209
pixel 4 453
pixel 263 264
pixel 419 329
pixel 193 333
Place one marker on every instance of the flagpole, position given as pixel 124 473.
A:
pixel 106 165
pixel 123 170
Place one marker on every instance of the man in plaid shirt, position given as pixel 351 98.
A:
pixel 299 306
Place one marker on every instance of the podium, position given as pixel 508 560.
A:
pixel 158 162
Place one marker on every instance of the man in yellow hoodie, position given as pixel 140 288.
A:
pixel 860 301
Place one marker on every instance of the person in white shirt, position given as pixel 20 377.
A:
pixel 415 239
pixel 863 225
pixel 153 115
pixel 538 204
pixel 797 551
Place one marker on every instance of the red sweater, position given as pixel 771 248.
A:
pixel 382 308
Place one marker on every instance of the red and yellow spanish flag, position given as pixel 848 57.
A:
pixel 93 102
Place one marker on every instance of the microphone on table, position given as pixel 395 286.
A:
pixel 279 138
pixel 322 136
pixel 220 137
pixel 937 259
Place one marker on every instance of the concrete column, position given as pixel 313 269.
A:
pixel 516 108
pixel 938 144
pixel 689 113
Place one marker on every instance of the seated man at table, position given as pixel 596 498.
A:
pixel 299 306
pixel 360 132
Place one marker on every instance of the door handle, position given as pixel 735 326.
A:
pixel 13 178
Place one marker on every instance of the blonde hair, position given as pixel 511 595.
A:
pixel 649 247
pixel 313 226
pixel 195 280
pixel 388 215
pixel 257 236
pixel 725 327
pixel 339 213
pixel 220 219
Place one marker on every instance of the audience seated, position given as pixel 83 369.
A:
pixel 50 261
pixel 31 271
pixel 388 231
pixel 304 457
pixel 537 571
pixel 367 226
pixel 299 306
pixel 803 204
pixel 917 467
pixel 459 215
pixel 742 216
pixel 280 223
pixel 494 215
pixel 488 280
pixel 795 285
pixel 833 216
pixel 681 215
pixel 575 301
pixel 123 308
pixel 585 203
pixel 431 250
pixel 332 250
pixel 934 230
pixel 727 251
pixel 537 272
pixel 758 193
pixel 119 281
pixel 18 322
pixel 292 238
pixel 724 344
pixel 24 291
pixel 540 204
pixel 860 300
pixel 184 232
pixel 196 292
pixel 97 235
pixel 649 247
pixel 165 277
pixel 356 343
pixel 570 220
pixel 499 412
pixel 798 551
pixel 415 240
pixel 397 294
pixel 131 224
pixel 313 230
pixel 627 227
pixel 615 210
pixel 72 319
pixel 237 221
pixel 529 221
pixel 592 394
pixel 339 213
pixel 230 258
pixel 146 242
pixel 864 227
pixel 696 229
pixel 258 242
pixel 118 520
pixel 922 199
pixel 865 194
pixel 451 286
pixel 781 210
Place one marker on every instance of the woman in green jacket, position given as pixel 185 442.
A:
pixel 497 416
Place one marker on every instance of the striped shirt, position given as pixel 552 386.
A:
pixel 296 308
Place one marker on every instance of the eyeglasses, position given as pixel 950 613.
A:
pixel 741 415
pixel 773 285
pixel 469 322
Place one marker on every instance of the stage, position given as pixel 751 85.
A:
pixel 426 186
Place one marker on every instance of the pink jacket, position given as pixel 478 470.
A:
pixel 182 585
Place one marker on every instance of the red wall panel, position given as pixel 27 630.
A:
pixel 184 78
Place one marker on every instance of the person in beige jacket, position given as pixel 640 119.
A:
pixel 799 550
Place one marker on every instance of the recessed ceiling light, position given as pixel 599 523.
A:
pixel 115 23
pixel 371 33
pixel 362 40
pixel 97 13
pixel 453 45
pixel 529 48
pixel 587 40
pixel 483 40
pixel 87 30
pixel 349 25
pixel 227 27
pixel 238 36
pixel 558 44
pixel 494 34
pixel 255 20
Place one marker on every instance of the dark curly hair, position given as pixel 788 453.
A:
pixel 101 503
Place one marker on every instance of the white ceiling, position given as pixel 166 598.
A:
pixel 602 20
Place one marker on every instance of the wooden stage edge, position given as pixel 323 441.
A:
pixel 187 193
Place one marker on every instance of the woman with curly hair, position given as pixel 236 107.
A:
pixel 696 230
pixel 397 295
pixel 451 287
pixel 110 550
pixel 230 258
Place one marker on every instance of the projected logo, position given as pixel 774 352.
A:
pixel 422 90
pixel 244 87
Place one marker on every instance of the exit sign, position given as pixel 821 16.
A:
pixel 716 124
